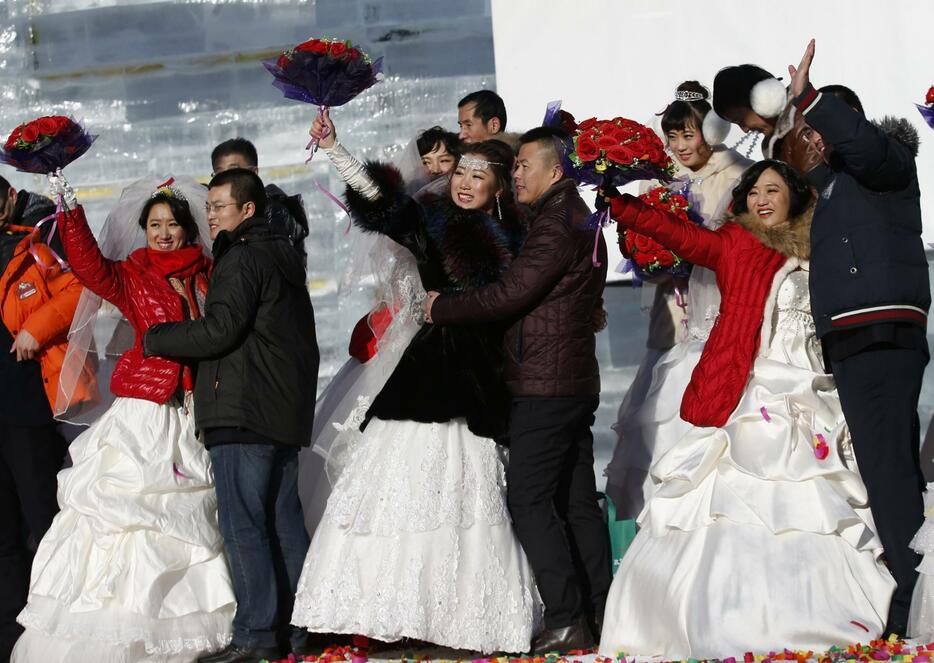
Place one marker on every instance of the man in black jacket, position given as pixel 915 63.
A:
pixel 870 297
pixel 254 405
pixel 284 213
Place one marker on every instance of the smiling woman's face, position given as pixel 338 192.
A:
pixel 769 198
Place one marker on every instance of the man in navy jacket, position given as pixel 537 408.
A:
pixel 870 297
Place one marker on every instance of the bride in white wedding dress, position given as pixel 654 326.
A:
pixel 758 534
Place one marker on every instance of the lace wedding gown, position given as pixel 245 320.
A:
pixel 753 539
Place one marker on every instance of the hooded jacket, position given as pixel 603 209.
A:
pixel 868 265
pixel 256 342
pixel 749 260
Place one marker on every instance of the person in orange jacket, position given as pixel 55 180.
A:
pixel 38 297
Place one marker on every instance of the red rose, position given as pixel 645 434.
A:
pixel 354 54
pixel 47 126
pixel 30 133
pixel 606 142
pixel 666 258
pixel 586 124
pixel 338 48
pixel 283 61
pixel 929 99
pixel 313 46
pixel 63 122
pixel 620 154
pixel 587 149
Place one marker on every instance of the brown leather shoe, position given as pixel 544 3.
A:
pixel 563 639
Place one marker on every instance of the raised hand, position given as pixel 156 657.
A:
pixel 800 76
pixel 59 187
pixel 322 130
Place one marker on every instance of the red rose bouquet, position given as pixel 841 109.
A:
pixel 646 256
pixel 927 111
pixel 618 151
pixel 324 72
pixel 45 144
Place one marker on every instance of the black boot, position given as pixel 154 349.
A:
pixel 566 638
pixel 237 654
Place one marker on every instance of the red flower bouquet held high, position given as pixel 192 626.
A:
pixel 618 151
pixel 927 111
pixel 646 257
pixel 45 144
pixel 324 72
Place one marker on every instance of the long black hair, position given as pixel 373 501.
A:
pixel 800 193
pixel 180 211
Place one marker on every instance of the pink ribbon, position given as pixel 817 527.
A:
pixel 37 233
pixel 682 303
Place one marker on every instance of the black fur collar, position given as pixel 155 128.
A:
pixel 475 248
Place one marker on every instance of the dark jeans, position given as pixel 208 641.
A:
pixel 879 389
pixel 30 457
pixel 264 537
pixel 552 497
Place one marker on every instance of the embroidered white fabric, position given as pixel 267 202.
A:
pixel 416 542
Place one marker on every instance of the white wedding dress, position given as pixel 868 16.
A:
pixel 132 568
pixel 750 541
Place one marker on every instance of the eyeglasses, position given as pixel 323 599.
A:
pixel 216 207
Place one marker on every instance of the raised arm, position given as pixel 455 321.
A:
pixel 233 298
pixel 691 242
pixel 542 261
pixel 95 272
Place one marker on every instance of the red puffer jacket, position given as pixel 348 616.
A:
pixel 141 293
pixel 745 269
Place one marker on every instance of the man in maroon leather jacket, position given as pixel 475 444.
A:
pixel 550 293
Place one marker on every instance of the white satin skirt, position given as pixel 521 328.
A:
pixel 132 568
pixel 750 542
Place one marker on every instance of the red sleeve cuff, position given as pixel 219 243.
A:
pixel 804 100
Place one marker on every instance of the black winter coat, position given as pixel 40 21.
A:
pixel 256 343
pixel 286 215
pixel 867 258
pixel 446 372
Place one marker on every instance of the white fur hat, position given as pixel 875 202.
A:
pixel 768 98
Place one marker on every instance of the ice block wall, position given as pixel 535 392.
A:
pixel 163 82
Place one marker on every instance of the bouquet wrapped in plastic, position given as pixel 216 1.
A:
pixel 648 258
pixel 927 111
pixel 324 72
pixel 45 144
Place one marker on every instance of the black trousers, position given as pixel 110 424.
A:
pixel 552 497
pixel 30 457
pixel 879 389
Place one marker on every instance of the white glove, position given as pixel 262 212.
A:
pixel 60 188
pixel 352 171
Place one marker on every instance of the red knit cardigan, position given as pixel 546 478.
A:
pixel 745 269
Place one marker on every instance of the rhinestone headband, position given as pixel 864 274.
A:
pixel 473 163
pixel 687 95
pixel 166 189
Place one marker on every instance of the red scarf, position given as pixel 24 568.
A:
pixel 181 263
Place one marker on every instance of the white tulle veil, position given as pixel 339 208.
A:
pixel 99 333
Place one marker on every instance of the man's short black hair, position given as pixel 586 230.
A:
pixel 430 138
pixel 488 105
pixel 847 95
pixel 238 145
pixel 556 140
pixel 245 187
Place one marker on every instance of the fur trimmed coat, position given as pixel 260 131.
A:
pixel 447 372
pixel 747 258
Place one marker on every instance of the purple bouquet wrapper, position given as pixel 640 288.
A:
pixel 927 112
pixel 316 78
pixel 56 152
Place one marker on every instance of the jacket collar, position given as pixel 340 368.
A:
pixel 791 238
pixel 248 230
pixel 561 187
